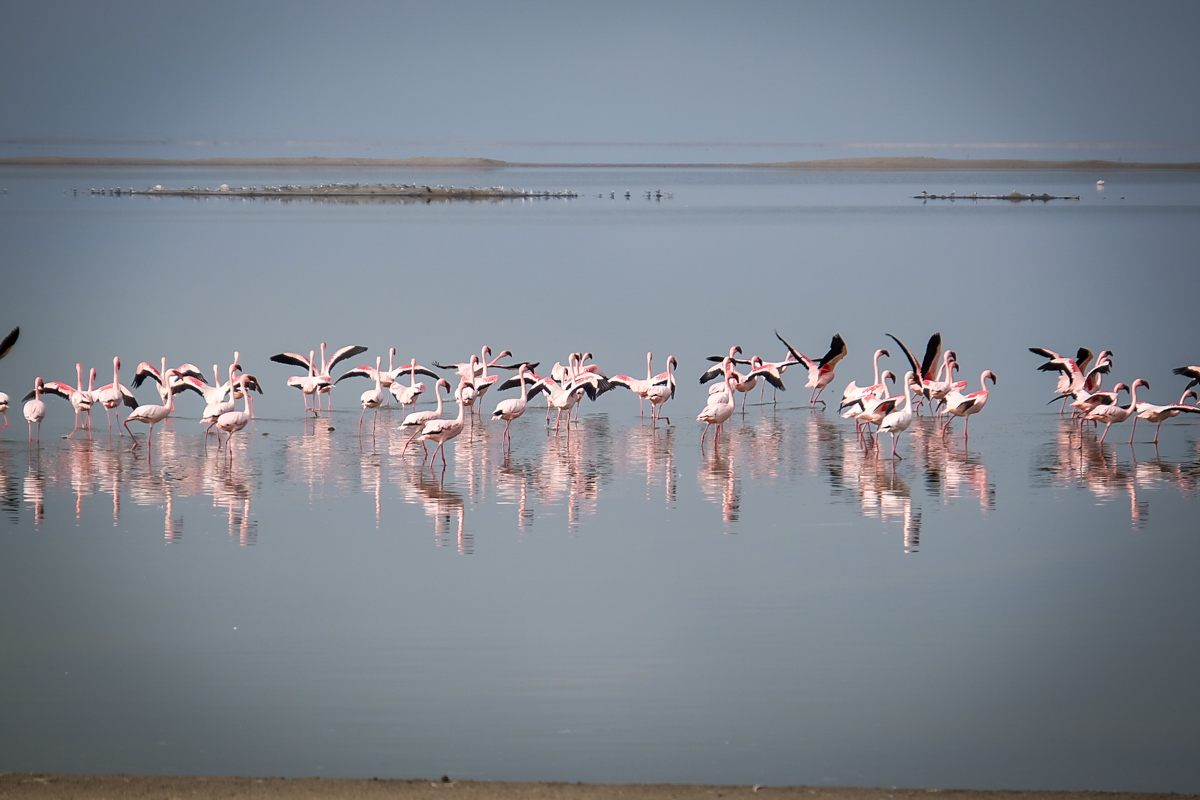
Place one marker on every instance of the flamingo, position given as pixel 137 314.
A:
pixel 6 345
pixel 1113 413
pixel 81 399
pixel 417 419
pixel 718 369
pixel 853 391
pixel 372 398
pixel 325 379
pixel 1068 369
pixel 872 408
pixel 114 395
pixel 1160 414
pixel 721 405
pixel 153 414
pixel 561 398
pixel 636 385
pixel 35 410
pixel 308 384
pixel 233 421
pixel 407 395
pixel 961 405
pixel 218 404
pixel 820 373
pixel 513 407
pixel 898 421
pixel 661 392
pixel 442 431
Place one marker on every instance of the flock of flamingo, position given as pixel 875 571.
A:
pixel 873 407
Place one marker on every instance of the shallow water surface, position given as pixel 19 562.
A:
pixel 612 602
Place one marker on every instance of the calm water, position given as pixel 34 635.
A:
pixel 616 603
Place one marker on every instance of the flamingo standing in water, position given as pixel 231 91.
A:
pixel 152 414
pixel 513 407
pixel 636 385
pixel 6 345
pixel 853 391
pixel 308 384
pixel 407 395
pixel 325 379
pixel 964 405
pixel 901 419
pixel 372 398
pixel 417 419
pixel 1112 413
pixel 114 395
pixel 442 431
pixel 721 405
pixel 661 392
pixel 233 421
pixel 35 410
pixel 1160 414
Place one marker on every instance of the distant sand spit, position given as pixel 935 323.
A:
pixel 909 164
pixel 86 787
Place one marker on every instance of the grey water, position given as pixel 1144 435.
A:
pixel 614 601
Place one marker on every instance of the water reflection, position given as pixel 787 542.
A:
pixel 1076 460
pixel 557 482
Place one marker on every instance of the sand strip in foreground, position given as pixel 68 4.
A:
pixel 87 787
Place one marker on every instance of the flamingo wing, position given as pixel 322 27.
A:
pixel 933 351
pixel 796 354
pixel 1187 372
pixel 6 344
pixel 359 372
pixel 349 351
pixel 912 360
pixel 294 359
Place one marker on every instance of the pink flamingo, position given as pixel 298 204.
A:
pixel 152 414
pixel 35 409
pixel 114 395
pixel 417 419
pixel 964 405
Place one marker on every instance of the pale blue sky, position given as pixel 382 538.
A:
pixel 468 71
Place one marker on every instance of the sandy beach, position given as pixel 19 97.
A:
pixel 53 786
pixel 914 163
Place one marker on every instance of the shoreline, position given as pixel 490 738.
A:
pixel 52 785
pixel 881 164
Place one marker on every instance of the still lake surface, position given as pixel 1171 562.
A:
pixel 617 603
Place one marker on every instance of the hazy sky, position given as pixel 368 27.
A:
pixel 561 71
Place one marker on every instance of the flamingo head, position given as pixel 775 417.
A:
pixel 882 352
pixel 673 364
pixel 1141 382
pixel 888 375
pixel 986 375
pixel 1192 394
